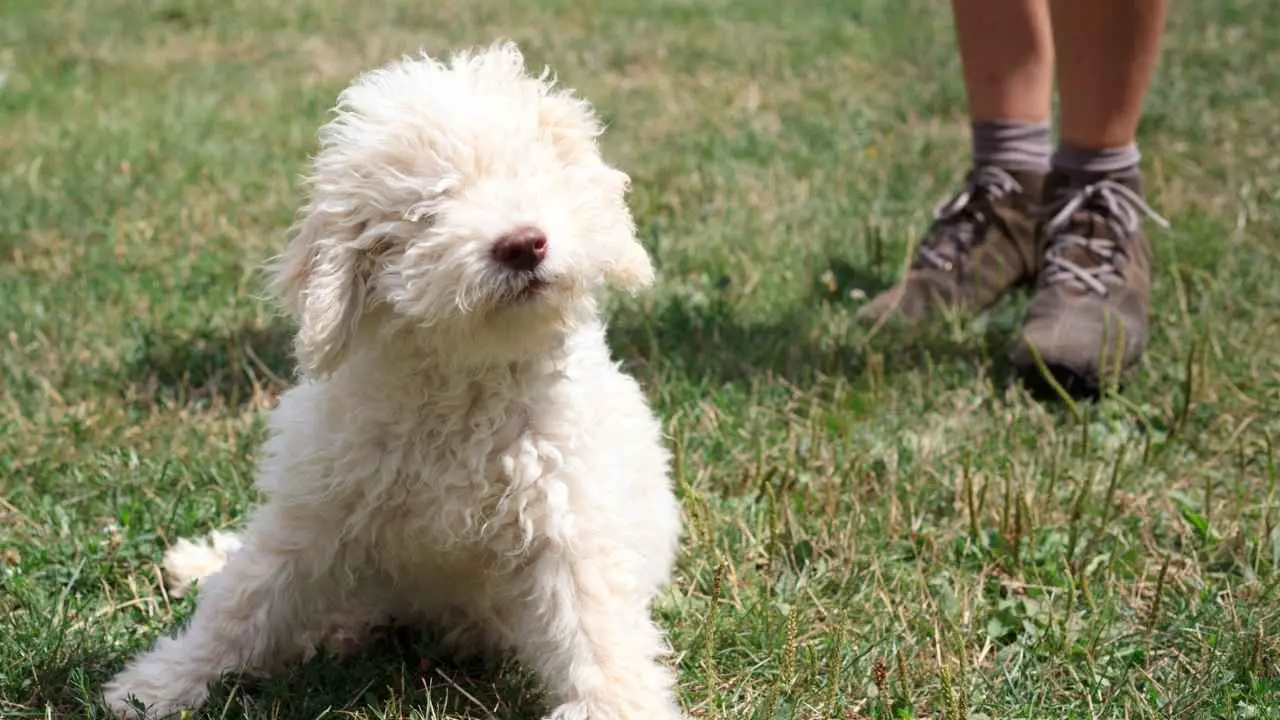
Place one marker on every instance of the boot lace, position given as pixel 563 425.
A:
pixel 961 222
pixel 1120 208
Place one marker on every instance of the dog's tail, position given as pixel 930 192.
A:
pixel 191 560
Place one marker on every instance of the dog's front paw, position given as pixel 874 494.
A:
pixel 602 709
pixel 132 696
pixel 124 703
pixel 571 711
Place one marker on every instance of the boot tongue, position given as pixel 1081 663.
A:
pixel 1032 182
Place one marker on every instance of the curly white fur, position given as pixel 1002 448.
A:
pixel 461 450
pixel 189 560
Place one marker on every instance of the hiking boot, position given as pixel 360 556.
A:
pixel 980 244
pixel 1089 312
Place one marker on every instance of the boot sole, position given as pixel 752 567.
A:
pixel 1077 385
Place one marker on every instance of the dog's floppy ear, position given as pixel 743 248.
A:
pixel 631 269
pixel 628 265
pixel 321 279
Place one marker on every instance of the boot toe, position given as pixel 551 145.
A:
pixel 910 301
pixel 1084 345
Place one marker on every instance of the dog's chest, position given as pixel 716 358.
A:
pixel 489 481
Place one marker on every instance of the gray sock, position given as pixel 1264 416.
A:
pixel 1011 145
pixel 1107 161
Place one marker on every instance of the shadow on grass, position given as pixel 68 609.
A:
pixel 397 672
pixel 212 368
pixel 710 343
pixel 400 671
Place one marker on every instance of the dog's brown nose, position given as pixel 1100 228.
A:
pixel 521 249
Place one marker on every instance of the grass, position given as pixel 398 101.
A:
pixel 879 527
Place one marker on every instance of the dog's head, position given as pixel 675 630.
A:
pixel 464 197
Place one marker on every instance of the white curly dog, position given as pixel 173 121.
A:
pixel 461 451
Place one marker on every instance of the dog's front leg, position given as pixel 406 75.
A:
pixel 250 616
pixel 592 642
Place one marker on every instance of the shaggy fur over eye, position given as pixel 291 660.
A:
pixel 461 452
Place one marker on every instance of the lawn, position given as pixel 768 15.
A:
pixel 878 526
